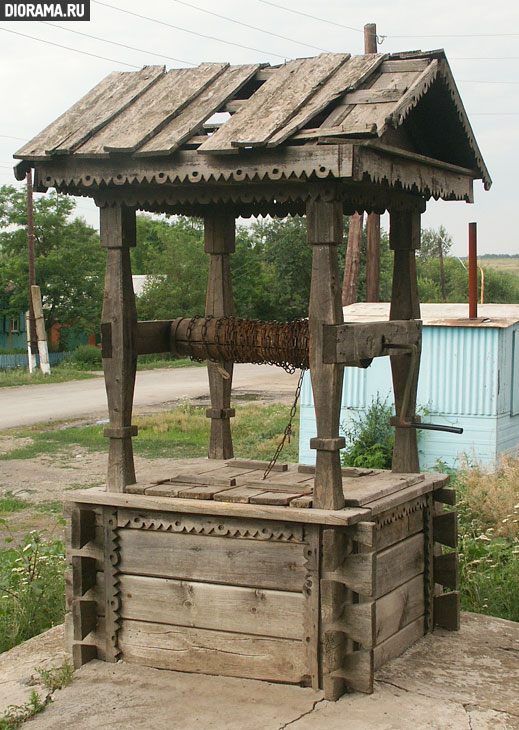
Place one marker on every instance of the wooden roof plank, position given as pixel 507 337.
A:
pixel 153 110
pixel 182 127
pixel 347 77
pixel 277 101
pixel 99 106
pixel 373 116
pixel 415 91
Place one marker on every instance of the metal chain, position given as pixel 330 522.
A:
pixel 288 428
pixel 271 343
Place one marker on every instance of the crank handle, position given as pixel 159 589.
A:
pixel 425 426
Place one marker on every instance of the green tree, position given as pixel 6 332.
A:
pixel 501 287
pixel 430 242
pixel 178 268
pixel 68 260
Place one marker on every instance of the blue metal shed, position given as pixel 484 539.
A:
pixel 469 377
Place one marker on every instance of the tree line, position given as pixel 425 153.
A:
pixel 271 267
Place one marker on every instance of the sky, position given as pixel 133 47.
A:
pixel 39 80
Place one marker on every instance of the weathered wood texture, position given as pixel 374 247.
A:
pixel 324 233
pixel 352 262
pixel 185 124
pixel 151 112
pixel 113 95
pixel 281 97
pixel 119 335
pixel 211 606
pixel 257 564
pixel 348 76
pixel 213 652
pixel 404 240
pixel 352 342
pixel 219 240
pixel 373 258
pixel 85 634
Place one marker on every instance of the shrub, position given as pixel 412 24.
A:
pixel 32 588
pixel 370 438
pixel 87 357
pixel 488 517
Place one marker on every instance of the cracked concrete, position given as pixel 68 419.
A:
pixel 305 714
pixel 450 681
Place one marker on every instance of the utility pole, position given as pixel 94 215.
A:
pixel 351 264
pixel 32 341
pixel 373 226
pixel 36 335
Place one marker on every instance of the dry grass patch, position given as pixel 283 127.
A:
pixel 492 496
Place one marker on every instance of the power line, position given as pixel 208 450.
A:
pixel 390 35
pixel 472 81
pixel 484 58
pixel 186 30
pixel 246 25
pixel 312 17
pixel 10 136
pixel 121 45
pixel 67 48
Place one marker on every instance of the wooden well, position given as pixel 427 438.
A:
pixel 310 576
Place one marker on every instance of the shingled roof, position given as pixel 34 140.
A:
pixel 406 104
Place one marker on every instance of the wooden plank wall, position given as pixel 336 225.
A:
pixel 238 604
pixel 374 585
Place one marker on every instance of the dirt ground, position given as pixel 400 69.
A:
pixel 45 480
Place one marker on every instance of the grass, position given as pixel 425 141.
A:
pixel 488 510
pixel 67 372
pixel 32 586
pixel 146 362
pixel 58 374
pixel 182 433
pixel 10 503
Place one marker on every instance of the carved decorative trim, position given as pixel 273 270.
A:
pixel 299 162
pixel 428 563
pixel 387 518
pixel 212 526
pixel 112 585
pixel 446 76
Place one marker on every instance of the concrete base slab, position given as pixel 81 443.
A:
pixel 450 681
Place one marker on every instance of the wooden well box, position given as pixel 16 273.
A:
pixel 279 593
pixel 314 575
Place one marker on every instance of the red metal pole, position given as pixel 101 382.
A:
pixel 473 271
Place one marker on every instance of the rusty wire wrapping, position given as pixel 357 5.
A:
pixel 217 339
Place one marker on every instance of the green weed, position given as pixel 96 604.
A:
pixel 57 677
pixel 370 437
pixel 32 587
pixel 16 715
pixel 52 679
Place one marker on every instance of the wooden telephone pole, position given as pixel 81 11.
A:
pixel 351 265
pixel 36 335
pixel 373 228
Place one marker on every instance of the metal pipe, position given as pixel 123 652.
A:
pixel 473 272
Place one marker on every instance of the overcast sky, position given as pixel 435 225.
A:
pixel 39 81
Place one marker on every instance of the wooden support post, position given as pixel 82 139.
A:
pixel 324 232
pixel 404 239
pixel 119 342
pixel 352 262
pixel 373 258
pixel 219 242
